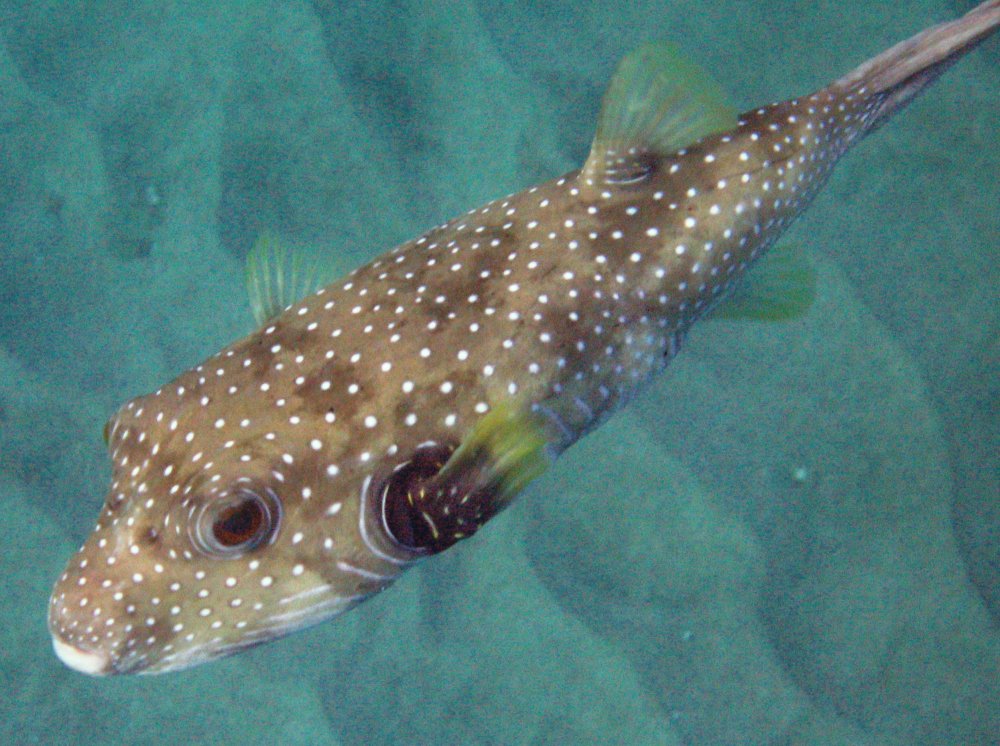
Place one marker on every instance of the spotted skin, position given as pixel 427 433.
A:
pixel 559 301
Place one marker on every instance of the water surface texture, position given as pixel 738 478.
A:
pixel 793 537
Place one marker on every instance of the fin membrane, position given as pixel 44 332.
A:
pixel 443 494
pixel 781 287
pixel 657 103
pixel 507 449
pixel 277 277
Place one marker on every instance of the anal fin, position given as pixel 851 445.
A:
pixel 780 287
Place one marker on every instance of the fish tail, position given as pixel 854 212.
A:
pixel 895 77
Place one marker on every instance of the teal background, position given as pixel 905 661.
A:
pixel 671 581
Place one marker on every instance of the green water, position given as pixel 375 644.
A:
pixel 792 538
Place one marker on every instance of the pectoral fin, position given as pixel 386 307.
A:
pixel 445 493
pixel 277 277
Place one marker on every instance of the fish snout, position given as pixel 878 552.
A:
pixel 87 634
pixel 79 642
pixel 91 662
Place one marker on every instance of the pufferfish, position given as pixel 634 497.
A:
pixel 385 417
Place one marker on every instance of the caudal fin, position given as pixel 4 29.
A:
pixel 898 75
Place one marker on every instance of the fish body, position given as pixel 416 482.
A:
pixel 391 414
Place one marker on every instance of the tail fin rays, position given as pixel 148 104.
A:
pixel 900 73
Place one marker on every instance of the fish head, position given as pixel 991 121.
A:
pixel 303 468
pixel 231 520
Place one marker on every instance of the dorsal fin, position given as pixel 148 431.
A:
pixel 657 102
pixel 277 277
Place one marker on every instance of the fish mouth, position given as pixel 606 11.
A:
pixel 90 662
pixel 99 663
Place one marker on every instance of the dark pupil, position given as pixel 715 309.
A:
pixel 238 523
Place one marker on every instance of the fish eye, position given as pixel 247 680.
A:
pixel 401 495
pixel 237 524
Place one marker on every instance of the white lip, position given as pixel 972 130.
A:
pixel 91 663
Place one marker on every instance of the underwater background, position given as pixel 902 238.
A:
pixel 793 537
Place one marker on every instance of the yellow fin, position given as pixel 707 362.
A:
pixel 781 287
pixel 506 447
pixel 277 277
pixel 657 102
pixel 443 494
